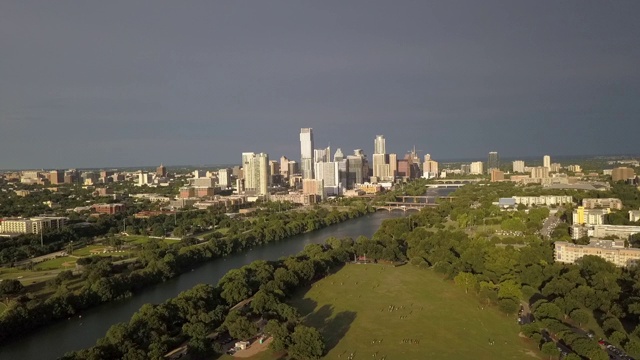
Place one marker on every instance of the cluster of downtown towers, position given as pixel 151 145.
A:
pixel 319 173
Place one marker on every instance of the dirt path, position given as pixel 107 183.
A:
pixel 252 350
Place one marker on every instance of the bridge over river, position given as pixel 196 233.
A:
pixel 408 203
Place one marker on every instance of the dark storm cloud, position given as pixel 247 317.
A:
pixel 137 83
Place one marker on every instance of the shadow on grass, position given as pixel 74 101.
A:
pixel 332 327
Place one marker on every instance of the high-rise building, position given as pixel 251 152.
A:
pixel 497 175
pixel 518 166
pixel 381 168
pixel 622 173
pixel 476 168
pixel 56 177
pixel 161 171
pixel 306 152
pixel 328 172
pixel 256 174
pixel 284 167
pixel 493 162
pixel 429 167
pixel 379 145
pixel 338 156
pixel 539 172
pixel 393 165
pixel 224 178
pixel 322 155
pixel 555 167
pixel 546 161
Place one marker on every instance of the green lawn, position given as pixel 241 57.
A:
pixel 351 309
pixel 56 264
pixel 141 239
pixel 86 250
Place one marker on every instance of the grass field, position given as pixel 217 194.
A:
pixel 141 239
pixel 57 263
pixel 351 309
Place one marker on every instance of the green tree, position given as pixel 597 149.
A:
pixel 550 349
pixel 466 280
pixel 10 287
pixel 307 343
pixel 580 316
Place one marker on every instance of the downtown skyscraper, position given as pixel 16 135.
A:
pixel 306 153
pixel 493 162
pixel 381 168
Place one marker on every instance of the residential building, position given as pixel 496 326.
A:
pixel 555 167
pixel 634 215
pixel 589 216
pixel 621 231
pixel 476 168
pixel 296 198
pixel 224 178
pixel 56 177
pixel 622 174
pixel 34 225
pixel 284 167
pixel 594 203
pixel 546 162
pixel 544 200
pixel 579 230
pixel 144 178
pixel 539 172
pixel 393 165
pixel 328 172
pixel 611 250
pixel 313 187
pixel 256 175
pixel 574 168
pixel 518 166
pixel 466 169
pixel 306 152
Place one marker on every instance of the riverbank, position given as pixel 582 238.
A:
pixel 77 333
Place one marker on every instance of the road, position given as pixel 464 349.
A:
pixel 550 224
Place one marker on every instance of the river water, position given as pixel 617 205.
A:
pixel 55 340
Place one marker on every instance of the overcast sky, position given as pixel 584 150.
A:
pixel 132 83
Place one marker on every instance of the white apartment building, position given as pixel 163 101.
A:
pixel 611 250
pixel 589 216
pixel 476 168
pixel 594 203
pixel 545 200
pixel 33 225
pixel 621 231
pixel 518 166
pixel 634 215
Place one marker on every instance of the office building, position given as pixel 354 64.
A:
pixel 56 177
pixel 294 168
pixel 497 175
pixel 355 166
pixel 594 203
pixel 161 171
pixel 338 156
pixel 322 155
pixel 306 153
pixel 582 216
pixel 476 168
pixel 256 174
pixel 611 250
pixel 518 166
pixel 429 167
pixel 493 162
pixel 622 174
pixel 393 165
pixel 546 161
pixel 108 208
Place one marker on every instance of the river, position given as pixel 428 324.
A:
pixel 53 341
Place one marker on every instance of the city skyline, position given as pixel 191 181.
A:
pixel 125 87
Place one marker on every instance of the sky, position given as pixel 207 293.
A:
pixel 139 83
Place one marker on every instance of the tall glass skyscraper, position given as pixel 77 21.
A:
pixel 493 162
pixel 306 152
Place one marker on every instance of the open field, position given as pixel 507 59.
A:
pixel 405 313
pixel 430 318
pixel 142 239
pixel 66 262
